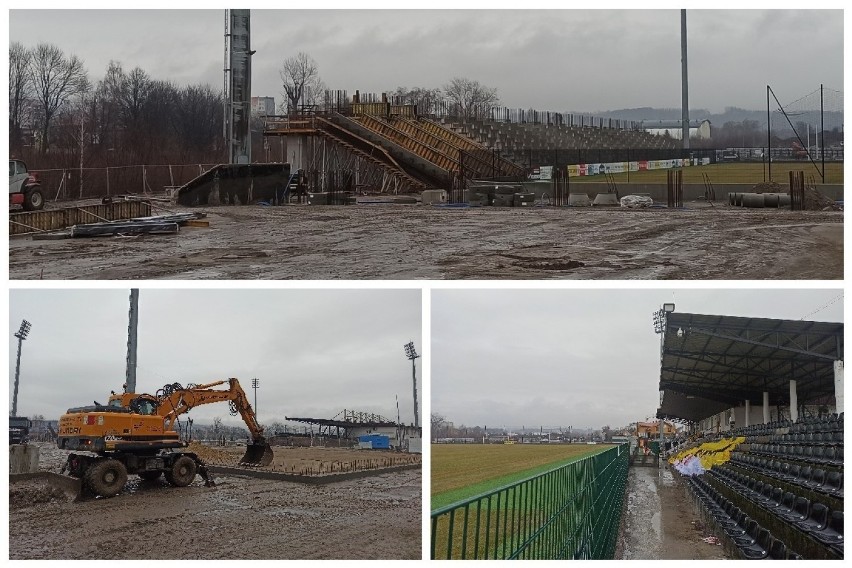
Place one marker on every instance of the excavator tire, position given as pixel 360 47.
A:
pixel 182 472
pixel 257 454
pixel 106 477
pixel 150 475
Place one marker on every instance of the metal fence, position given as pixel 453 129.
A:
pixel 570 512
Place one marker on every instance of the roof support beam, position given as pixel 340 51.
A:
pixel 760 343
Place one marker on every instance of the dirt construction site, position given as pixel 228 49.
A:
pixel 373 513
pixel 394 241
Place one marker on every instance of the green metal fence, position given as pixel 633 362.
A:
pixel 572 511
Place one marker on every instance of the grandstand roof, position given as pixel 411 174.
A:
pixel 710 363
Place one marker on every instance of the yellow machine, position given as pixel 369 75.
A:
pixel 134 434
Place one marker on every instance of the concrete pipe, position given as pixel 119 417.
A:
pixel 753 200
pixel 783 200
pixel 738 199
pixel 732 198
pixel 770 199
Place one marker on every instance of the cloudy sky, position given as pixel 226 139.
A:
pixel 574 60
pixel 315 352
pixel 581 358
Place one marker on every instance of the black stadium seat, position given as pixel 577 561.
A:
pixel 801 508
pixel 777 550
pixel 817 519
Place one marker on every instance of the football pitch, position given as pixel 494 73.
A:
pixel 460 471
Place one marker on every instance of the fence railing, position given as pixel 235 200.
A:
pixel 570 512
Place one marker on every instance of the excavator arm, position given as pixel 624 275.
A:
pixel 175 400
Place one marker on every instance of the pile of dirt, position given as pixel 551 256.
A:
pixel 816 201
pixel 212 455
pixel 769 187
pixel 28 493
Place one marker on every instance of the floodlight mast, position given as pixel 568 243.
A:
pixel 411 354
pixel 21 335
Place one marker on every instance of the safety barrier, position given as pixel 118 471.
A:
pixel 570 512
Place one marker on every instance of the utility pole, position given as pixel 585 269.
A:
pixel 21 335
pixel 132 325
pixel 412 355
pixel 684 82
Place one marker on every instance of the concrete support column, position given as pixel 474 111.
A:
pixel 765 407
pixel 794 402
pixel 838 386
pixel 747 412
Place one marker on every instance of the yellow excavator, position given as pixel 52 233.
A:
pixel 134 434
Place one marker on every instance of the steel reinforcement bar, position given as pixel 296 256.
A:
pixel 570 512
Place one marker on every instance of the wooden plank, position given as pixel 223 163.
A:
pixel 52 219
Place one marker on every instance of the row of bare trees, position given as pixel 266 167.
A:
pixel 303 87
pixel 57 114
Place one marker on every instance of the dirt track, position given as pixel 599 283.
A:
pixel 241 518
pixel 660 523
pixel 420 242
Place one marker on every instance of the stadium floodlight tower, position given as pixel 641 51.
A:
pixel 21 335
pixel 684 82
pixel 660 328
pixel 237 85
pixel 412 355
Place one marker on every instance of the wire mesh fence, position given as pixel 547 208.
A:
pixel 571 512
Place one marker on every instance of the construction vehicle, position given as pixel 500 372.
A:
pixel 24 187
pixel 134 434
pixel 19 429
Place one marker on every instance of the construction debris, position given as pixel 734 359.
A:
pixel 156 225
pixel 816 201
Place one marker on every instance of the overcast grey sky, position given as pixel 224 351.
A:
pixel 581 358
pixel 315 352
pixel 576 60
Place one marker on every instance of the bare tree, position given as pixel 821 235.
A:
pixel 427 100
pixel 19 83
pixel 300 80
pixel 55 79
pixel 436 421
pixel 469 98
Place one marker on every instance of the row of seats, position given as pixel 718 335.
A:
pixel 828 483
pixel 830 423
pixel 819 455
pixel 812 518
pixel 811 438
pixel 753 541
pixel 826 423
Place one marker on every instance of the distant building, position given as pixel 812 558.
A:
pixel 698 129
pixel 263 106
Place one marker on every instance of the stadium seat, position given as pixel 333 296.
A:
pixel 760 548
pixel 833 484
pixel 817 519
pixel 816 479
pixel 832 533
pixel 777 550
pixel 801 508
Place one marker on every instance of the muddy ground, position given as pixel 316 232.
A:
pixel 308 461
pixel 660 521
pixel 403 242
pixel 376 517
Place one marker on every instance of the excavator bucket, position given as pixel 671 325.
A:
pixel 257 454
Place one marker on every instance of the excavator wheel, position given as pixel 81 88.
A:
pixel 257 454
pixel 150 475
pixel 106 477
pixel 182 472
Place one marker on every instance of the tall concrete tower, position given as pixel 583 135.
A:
pixel 684 81
pixel 238 85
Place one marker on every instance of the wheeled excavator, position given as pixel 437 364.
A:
pixel 134 434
